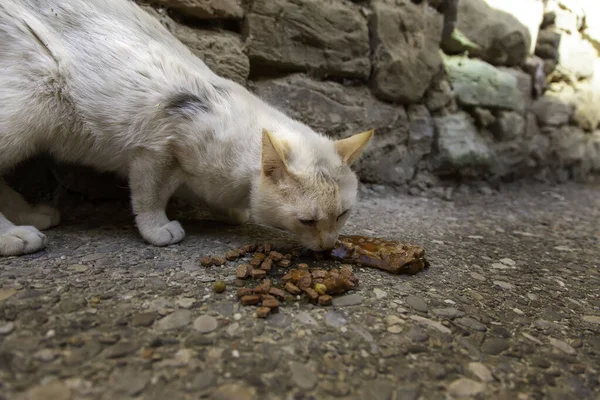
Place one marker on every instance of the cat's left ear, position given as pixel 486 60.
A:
pixel 351 148
pixel 274 156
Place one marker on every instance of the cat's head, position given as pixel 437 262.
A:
pixel 308 188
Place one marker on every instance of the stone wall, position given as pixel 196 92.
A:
pixel 468 89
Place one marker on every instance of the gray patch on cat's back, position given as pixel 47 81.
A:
pixel 186 104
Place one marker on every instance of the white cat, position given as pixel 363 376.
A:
pixel 104 84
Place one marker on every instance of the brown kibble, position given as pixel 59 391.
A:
pixel 217 260
pixel 239 283
pixel 319 274
pixel 243 271
pixel 250 299
pixel 288 256
pixel 263 287
pixel 232 255
pixel 312 295
pixel 219 286
pixel 275 256
pixel 296 252
pixel 260 248
pixel 206 261
pixel 267 265
pixel 258 273
pixel 325 300
pixel 321 289
pixel 277 292
pixel 304 282
pixel 293 289
pixel 272 303
pixel 284 263
pixel 337 284
pixel 257 259
pixel 287 277
pixel 263 312
pixel 241 292
pixel 267 247
pixel 248 248
pixel 302 266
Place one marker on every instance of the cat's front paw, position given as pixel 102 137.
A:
pixel 19 240
pixel 164 235
pixel 42 217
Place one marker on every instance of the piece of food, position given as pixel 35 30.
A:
pixel 243 271
pixel 267 265
pixel 241 292
pixel 250 299
pixel 272 303
pixel 293 289
pixel 258 273
pixel 257 259
pixel 325 300
pixel 263 312
pixel 264 287
pixel 206 261
pixel 320 288
pixel 313 296
pixel 219 286
pixel 387 255
pixel 277 292
pixel 285 263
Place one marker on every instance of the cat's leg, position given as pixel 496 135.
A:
pixel 16 209
pixel 152 182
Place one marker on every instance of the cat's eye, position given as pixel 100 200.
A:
pixel 342 215
pixel 308 222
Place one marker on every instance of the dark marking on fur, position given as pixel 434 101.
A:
pixel 40 41
pixel 186 104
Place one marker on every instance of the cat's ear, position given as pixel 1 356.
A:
pixel 351 148
pixel 274 156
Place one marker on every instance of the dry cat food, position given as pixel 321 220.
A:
pixel 318 285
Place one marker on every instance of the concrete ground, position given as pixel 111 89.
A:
pixel 508 309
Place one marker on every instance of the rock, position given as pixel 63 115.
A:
pixel 201 381
pixel 176 320
pixel 494 346
pixel 484 117
pixel 504 30
pixel 576 56
pixel 207 9
pixel 504 285
pixel 432 324
pixel 471 323
pixel 235 391
pixel 347 300
pixel 339 111
pixel 6 293
pixel 303 376
pixel 439 96
pixel 380 294
pixel 477 83
pixel 408 391
pixel 406 40
pixel 335 319
pixel 562 346
pixel 395 329
pixel 421 132
pixel 416 303
pixel 306 319
pixel 552 111
pixel 449 312
pixel 205 324
pixel 330 37
pixel 480 371
pixel 592 319
pixel 120 349
pixel 509 125
pixel 221 51
pixel 508 261
pixel 459 144
pixel 6 327
pixel 464 387
pixel 143 319
pixel 52 391
pixel 128 380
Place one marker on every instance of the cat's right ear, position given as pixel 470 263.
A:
pixel 274 156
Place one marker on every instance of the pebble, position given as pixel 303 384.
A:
pixel 205 324
pixel 433 324
pixel 416 303
pixel 380 294
pixel 481 371
pixel 234 391
pixel 508 261
pixel 6 293
pixel 185 302
pixel 176 320
pixel 395 329
pixel 533 339
pixel 78 268
pixel 504 285
pixel 233 329
pixel 472 323
pixel 494 346
pixel 499 266
pixel 303 376
pixel 464 387
pixel 55 390
pixel 448 312
pixel 201 381
pixel 6 327
pixel 477 276
pixel 305 318
pixel 335 319
pixel 129 380
pixel 592 319
pixel 562 346
pixel 393 320
pixel 347 300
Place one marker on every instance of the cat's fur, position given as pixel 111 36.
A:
pixel 104 84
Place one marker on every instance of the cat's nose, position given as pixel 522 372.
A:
pixel 327 241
